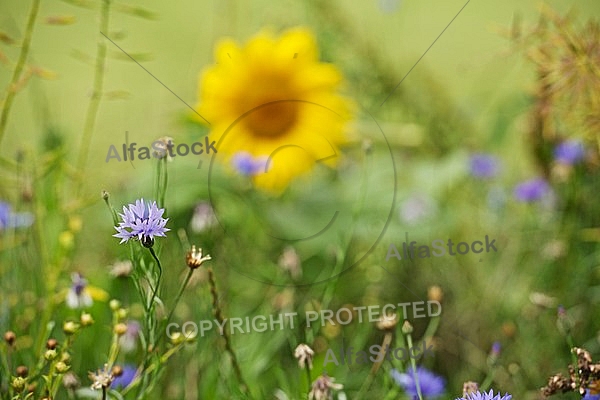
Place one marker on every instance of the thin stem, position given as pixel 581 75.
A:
pixel 309 377
pixel 11 90
pixel 219 316
pixel 177 298
pixel 155 289
pixel 103 393
pixel 387 340
pixel 413 363
pixel 94 104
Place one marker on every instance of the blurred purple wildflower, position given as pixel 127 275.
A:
pixel 484 165
pixel 77 297
pixel 496 347
pixel 589 396
pixel 128 341
pixel 532 190
pixel 9 219
pixel 125 379
pixel 431 385
pixel 485 396
pixel 144 221
pixel 416 208
pixel 248 165
pixel 569 152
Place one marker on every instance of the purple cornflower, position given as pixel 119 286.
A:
pixel 485 396
pixel 9 219
pixel 144 221
pixel 484 165
pixel 246 164
pixel 77 296
pixel 431 384
pixel 532 190
pixel 125 379
pixel 569 152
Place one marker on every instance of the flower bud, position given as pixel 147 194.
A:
pixel 86 319
pixel 10 337
pixel 50 355
pixel 407 328
pixel 117 371
pixel 61 367
pixel 22 371
pixel 51 344
pixel 70 327
pixel 18 384
pixel 120 329
pixel 114 304
pixel 122 313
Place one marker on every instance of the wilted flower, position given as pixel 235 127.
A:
pixel 532 190
pixel 121 268
pixel 127 375
pixel 78 296
pixel 194 258
pixel 164 144
pixel 273 98
pixel 470 387
pixel 485 396
pixel 102 378
pixel 569 152
pixel 484 165
pixel 204 217
pixel 322 388
pixel 290 262
pixel 430 384
pixel 304 354
pixel 144 221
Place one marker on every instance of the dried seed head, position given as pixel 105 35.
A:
pixel 70 381
pixel 51 344
pixel 194 258
pixel 435 293
pixel 387 322
pixel 470 387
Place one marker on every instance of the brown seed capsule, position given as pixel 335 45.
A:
pixel 51 344
pixel 10 337
pixel 22 371
pixel 117 371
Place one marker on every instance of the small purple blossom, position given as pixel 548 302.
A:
pixel 431 384
pixel 569 152
pixel 532 190
pixel 77 296
pixel 248 165
pixel 484 165
pixel 485 396
pixel 496 347
pixel 125 379
pixel 144 221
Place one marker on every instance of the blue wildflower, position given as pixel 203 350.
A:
pixel 127 376
pixel 569 152
pixel 431 385
pixel 245 164
pixel 484 166
pixel 532 190
pixel 485 396
pixel 9 219
pixel 144 221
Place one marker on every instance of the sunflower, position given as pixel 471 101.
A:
pixel 273 100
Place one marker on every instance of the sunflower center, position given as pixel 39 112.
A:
pixel 272 118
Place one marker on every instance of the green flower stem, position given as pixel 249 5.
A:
pixel 219 316
pixel 11 90
pixel 307 367
pixel 413 363
pixel 387 340
pixel 94 104
pixel 178 298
